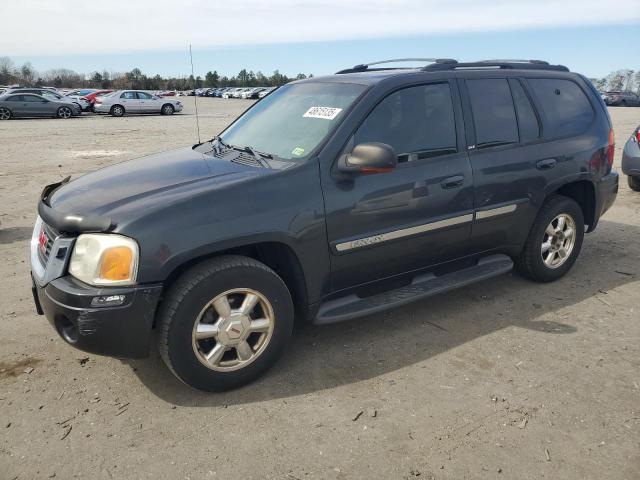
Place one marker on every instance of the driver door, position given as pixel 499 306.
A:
pixel 417 215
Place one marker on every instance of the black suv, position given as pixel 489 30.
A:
pixel 331 198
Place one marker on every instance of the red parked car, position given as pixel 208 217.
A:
pixel 168 93
pixel 92 96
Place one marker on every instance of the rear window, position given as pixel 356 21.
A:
pixel 494 115
pixel 566 110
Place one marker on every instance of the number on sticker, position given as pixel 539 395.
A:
pixel 326 113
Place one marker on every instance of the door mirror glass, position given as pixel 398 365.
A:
pixel 369 158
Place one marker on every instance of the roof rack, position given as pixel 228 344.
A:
pixel 365 66
pixel 500 63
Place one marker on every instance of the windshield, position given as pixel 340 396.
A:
pixel 293 120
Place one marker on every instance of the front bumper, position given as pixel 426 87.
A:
pixel 122 331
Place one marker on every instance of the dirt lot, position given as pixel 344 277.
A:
pixel 503 379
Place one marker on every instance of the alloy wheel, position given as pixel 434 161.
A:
pixel 5 114
pixel 64 112
pixel 558 241
pixel 233 329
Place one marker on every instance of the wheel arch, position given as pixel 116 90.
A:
pixel 277 255
pixel 583 192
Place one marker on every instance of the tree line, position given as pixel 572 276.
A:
pixel 26 75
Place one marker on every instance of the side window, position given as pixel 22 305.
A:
pixel 494 116
pixel 416 120
pixel 144 96
pixel 527 120
pixel 565 108
pixel 129 95
pixel 30 98
pixel 15 98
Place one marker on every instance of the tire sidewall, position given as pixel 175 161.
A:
pixel 167 111
pixel 566 206
pixel 182 358
pixel 634 183
pixel 115 108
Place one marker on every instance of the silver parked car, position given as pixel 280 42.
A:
pixel 631 160
pixel 135 101
pixel 52 94
pixel 31 105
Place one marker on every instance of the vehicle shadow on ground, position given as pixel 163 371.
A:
pixel 326 357
pixel 14 234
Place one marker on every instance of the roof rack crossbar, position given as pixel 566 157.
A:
pixel 365 66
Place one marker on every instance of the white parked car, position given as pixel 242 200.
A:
pixel 230 93
pixel 135 101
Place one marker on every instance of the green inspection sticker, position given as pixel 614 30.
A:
pixel 298 151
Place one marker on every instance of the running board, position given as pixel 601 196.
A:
pixel 422 286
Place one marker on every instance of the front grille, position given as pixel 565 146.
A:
pixel 49 236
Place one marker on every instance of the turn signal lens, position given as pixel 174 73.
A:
pixel 116 264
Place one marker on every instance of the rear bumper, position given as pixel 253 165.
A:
pixel 122 331
pixel 631 159
pixel 606 193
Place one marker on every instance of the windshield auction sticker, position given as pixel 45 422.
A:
pixel 326 113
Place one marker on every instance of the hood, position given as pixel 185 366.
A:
pixel 147 183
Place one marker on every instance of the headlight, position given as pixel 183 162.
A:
pixel 104 259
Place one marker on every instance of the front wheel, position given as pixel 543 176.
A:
pixel 634 183
pixel 224 323
pixel 167 109
pixel 64 112
pixel 554 241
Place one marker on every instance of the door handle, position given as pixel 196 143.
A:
pixel 546 164
pixel 452 182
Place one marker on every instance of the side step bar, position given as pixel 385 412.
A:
pixel 422 286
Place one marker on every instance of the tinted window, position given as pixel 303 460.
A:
pixel 493 113
pixel 31 98
pixel 14 98
pixel 144 96
pixel 527 121
pixel 416 119
pixel 129 95
pixel 565 108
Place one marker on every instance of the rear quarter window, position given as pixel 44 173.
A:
pixel 564 106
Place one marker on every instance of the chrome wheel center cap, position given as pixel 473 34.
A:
pixel 234 329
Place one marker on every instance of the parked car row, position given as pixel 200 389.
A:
pixel 621 99
pixel 48 102
pixel 234 92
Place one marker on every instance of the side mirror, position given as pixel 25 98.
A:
pixel 369 158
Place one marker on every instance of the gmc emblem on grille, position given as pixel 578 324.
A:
pixel 42 242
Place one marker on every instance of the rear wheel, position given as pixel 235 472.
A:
pixel 167 109
pixel 5 113
pixel 64 112
pixel 554 241
pixel 117 110
pixel 634 183
pixel 224 323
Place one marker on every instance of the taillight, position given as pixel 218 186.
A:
pixel 611 147
pixel 638 135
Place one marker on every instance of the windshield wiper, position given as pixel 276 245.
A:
pixel 259 156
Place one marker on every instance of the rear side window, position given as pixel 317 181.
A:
pixel 527 120
pixel 565 107
pixel 413 120
pixel 493 113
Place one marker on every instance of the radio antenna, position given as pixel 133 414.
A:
pixel 195 97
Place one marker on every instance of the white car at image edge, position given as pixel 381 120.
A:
pixel 121 102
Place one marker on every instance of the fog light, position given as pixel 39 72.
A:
pixel 107 301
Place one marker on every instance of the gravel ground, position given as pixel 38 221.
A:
pixel 502 379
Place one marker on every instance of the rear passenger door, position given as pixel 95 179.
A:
pixel 130 102
pixel 509 170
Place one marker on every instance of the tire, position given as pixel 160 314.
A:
pixel 117 111
pixel 548 265
pixel 634 183
pixel 167 109
pixel 64 112
pixel 188 307
pixel 5 113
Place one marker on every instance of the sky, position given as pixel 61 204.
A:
pixel 318 36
